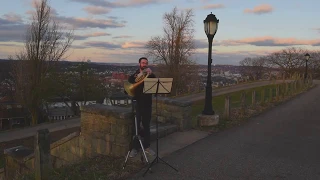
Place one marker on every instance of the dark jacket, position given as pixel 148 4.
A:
pixel 142 98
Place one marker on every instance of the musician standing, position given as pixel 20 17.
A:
pixel 143 108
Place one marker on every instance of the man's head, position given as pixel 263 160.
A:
pixel 143 63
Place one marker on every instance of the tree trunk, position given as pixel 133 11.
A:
pixel 34 116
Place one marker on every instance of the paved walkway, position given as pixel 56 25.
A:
pixel 282 143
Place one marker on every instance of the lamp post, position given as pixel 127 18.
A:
pixel 307 58
pixel 210 28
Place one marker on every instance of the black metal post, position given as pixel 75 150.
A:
pixel 208 110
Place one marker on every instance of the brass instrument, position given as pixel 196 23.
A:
pixel 129 88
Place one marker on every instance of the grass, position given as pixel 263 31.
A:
pixel 97 168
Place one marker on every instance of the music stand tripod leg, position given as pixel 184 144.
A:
pixel 136 137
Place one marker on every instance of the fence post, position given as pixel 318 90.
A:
pixel 227 107
pixel 42 156
pixel 270 94
pixel 243 102
pixel 262 96
pixel 253 97
pixel 277 92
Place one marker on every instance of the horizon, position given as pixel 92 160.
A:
pixel 116 31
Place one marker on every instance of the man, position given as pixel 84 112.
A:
pixel 143 108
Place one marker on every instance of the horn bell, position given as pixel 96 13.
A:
pixel 130 88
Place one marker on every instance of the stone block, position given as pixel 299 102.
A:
pixel 118 150
pixel 208 120
pixel 109 138
pixel 15 161
pixel 122 140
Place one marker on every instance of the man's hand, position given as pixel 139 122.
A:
pixel 148 70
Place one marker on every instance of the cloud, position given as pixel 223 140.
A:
pixel 261 9
pixel 213 6
pixel 97 10
pixel 122 37
pixel 317 29
pixel 91 23
pixel 134 45
pixel 120 3
pixel 13 18
pixel 270 41
pixel 10 45
pixel 201 43
pixel 101 44
pixel 11 28
pixel 86 36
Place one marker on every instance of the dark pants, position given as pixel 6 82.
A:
pixel 143 115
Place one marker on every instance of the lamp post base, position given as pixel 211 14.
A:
pixel 207 120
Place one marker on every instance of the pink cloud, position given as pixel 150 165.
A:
pixel 96 34
pixel 134 45
pixel 121 3
pixel 270 41
pixel 12 17
pixel 213 6
pixel 261 9
pixel 97 10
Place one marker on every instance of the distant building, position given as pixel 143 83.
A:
pixel 121 76
pixel 11 113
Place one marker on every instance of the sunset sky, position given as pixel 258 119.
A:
pixel 117 30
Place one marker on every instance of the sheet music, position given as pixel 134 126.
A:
pixel 150 85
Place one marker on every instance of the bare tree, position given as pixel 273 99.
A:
pixel 174 48
pixel 289 60
pixel 253 67
pixel 46 43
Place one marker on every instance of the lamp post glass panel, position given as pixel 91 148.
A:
pixel 210 28
pixel 307 58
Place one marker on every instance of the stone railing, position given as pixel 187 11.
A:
pixel 173 111
pixel 105 130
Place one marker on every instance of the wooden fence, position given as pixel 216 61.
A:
pixel 267 94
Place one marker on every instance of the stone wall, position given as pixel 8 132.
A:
pixel 173 111
pixel 105 130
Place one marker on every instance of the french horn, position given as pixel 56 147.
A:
pixel 130 88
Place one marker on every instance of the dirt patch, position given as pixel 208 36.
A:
pixel 29 142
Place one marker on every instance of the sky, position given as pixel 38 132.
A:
pixel 117 30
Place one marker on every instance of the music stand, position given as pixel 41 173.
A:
pixel 157 86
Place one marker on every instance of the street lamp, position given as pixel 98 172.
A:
pixel 307 58
pixel 210 28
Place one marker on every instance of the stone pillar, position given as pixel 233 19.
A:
pixel 42 155
pixel 105 130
